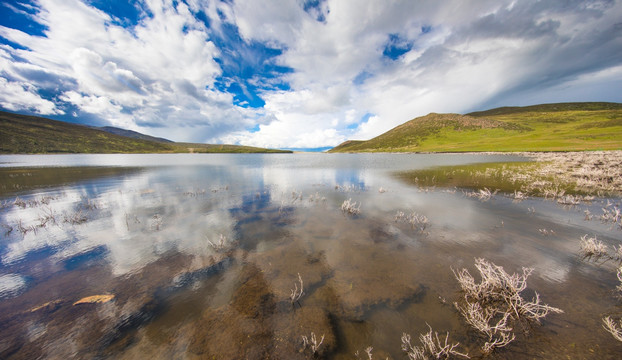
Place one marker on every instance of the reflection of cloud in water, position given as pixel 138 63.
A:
pixel 11 285
pixel 123 223
pixel 551 270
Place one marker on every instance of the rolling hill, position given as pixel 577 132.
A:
pixel 547 127
pixel 22 134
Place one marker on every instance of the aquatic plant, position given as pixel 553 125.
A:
pixel 432 347
pixel 612 215
pixel 546 232
pixel 349 207
pixel 296 293
pixel 592 247
pixel 613 328
pixel 25 229
pixel 311 342
pixel 569 200
pixel 482 194
pixel 519 195
pixel 156 222
pixel 48 216
pixel 368 351
pixel 75 218
pixel 490 322
pixel 497 299
pixel 220 244
pixel 317 198
pixel 19 202
pixel 415 220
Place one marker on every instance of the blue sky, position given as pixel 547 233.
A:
pixel 299 74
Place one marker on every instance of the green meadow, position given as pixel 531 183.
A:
pixel 550 127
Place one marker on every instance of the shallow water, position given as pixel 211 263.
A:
pixel 149 233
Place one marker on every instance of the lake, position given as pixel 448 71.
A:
pixel 199 255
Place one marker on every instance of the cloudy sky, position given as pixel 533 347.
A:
pixel 299 74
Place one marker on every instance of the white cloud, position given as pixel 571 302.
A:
pixel 159 75
pixel 468 54
pixel 17 96
pixel 135 77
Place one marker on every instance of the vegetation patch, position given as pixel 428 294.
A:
pixel 550 175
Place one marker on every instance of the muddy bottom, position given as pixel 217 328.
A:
pixel 260 263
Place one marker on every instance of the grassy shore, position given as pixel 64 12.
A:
pixel 550 174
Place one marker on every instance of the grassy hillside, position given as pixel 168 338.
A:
pixel 21 134
pixel 550 127
pixel 222 148
pixel 132 134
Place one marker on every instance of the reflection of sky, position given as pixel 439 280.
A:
pixel 178 208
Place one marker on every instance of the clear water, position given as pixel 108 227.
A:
pixel 149 232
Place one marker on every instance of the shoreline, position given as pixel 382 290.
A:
pixel 546 174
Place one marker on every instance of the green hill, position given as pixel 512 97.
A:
pixel 21 134
pixel 548 127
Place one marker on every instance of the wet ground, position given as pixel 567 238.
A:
pixel 200 261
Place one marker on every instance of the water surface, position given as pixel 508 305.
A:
pixel 201 253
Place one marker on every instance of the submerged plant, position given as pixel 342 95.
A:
pixel 312 343
pixel 220 244
pixel 156 222
pixel 415 220
pixel 296 293
pixel 368 351
pixel 432 347
pixel 349 207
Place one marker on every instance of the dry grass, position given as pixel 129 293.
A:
pixel 416 221
pixel 614 328
pixel 432 347
pixel 311 342
pixel 350 207
pixel 592 247
pixel 297 292
pixel 593 172
pixel 493 304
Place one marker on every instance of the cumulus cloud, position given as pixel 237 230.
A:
pixel 459 56
pixel 308 73
pixel 19 95
pixel 138 76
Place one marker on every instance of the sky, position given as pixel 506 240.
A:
pixel 299 74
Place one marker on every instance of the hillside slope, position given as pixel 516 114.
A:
pixel 22 134
pixel 548 127
pixel 132 134
pixel 32 134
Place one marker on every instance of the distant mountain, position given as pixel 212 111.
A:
pixel 547 127
pixel 22 134
pixel 132 134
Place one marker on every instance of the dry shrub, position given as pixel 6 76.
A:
pixel 492 305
